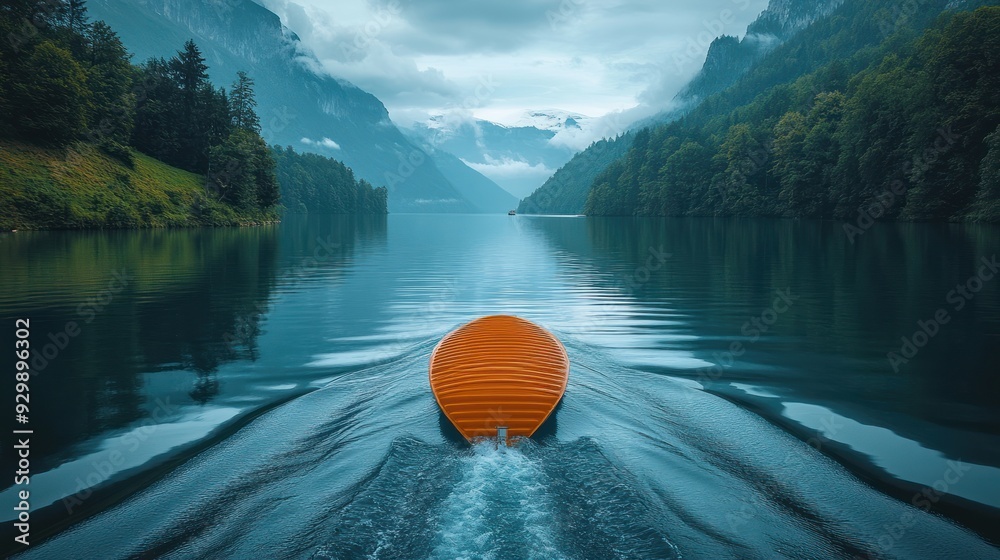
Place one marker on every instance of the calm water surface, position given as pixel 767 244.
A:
pixel 233 391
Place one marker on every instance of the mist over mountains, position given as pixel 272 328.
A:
pixel 519 157
pixel 457 163
pixel 299 105
pixel 728 58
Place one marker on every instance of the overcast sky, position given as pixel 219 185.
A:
pixel 497 60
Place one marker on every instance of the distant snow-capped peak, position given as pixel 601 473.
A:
pixel 551 119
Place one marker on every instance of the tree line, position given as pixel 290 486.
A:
pixel 914 134
pixel 313 183
pixel 64 79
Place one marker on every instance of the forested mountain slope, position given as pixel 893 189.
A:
pixel 906 128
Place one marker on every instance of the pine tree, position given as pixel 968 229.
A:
pixel 216 120
pixel 157 131
pixel 191 77
pixel 76 16
pixel 268 193
pixel 190 73
pixel 110 79
pixel 242 104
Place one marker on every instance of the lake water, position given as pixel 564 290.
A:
pixel 227 393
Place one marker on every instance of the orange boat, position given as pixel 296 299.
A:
pixel 498 377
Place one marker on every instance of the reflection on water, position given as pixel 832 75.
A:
pixel 659 319
pixel 900 456
pixel 157 314
pixel 143 302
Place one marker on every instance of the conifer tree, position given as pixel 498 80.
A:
pixel 242 103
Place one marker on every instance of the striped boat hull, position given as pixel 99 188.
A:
pixel 498 371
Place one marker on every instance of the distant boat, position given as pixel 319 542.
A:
pixel 512 213
pixel 498 377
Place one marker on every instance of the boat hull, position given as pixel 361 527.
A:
pixel 497 372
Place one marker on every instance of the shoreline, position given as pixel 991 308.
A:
pixel 262 223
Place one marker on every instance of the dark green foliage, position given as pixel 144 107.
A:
pixel 243 172
pixel 74 19
pixel 109 76
pixel 29 18
pixel 179 115
pixel 243 104
pixel 76 16
pixel 316 184
pixel 118 151
pixel 805 152
pixel 195 99
pixel 987 204
pixel 233 177
pixel 155 132
pixel 65 80
pixel 183 120
pixel 679 172
pixel 910 136
pixel 50 97
pixel 566 191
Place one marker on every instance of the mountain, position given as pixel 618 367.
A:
pixel 566 191
pixel 487 196
pixel 299 105
pixel 555 120
pixel 864 115
pixel 516 157
pixel 729 57
pixel 727 60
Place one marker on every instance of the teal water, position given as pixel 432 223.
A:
pixel 232 391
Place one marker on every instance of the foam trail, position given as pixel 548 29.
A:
pixel 499 509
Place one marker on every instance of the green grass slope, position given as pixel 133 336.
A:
pixel 82 187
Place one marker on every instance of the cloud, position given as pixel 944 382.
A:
pixel 505 168
pixel 606 126
pixel 517 177
pixel 324 143
pixel 431 57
